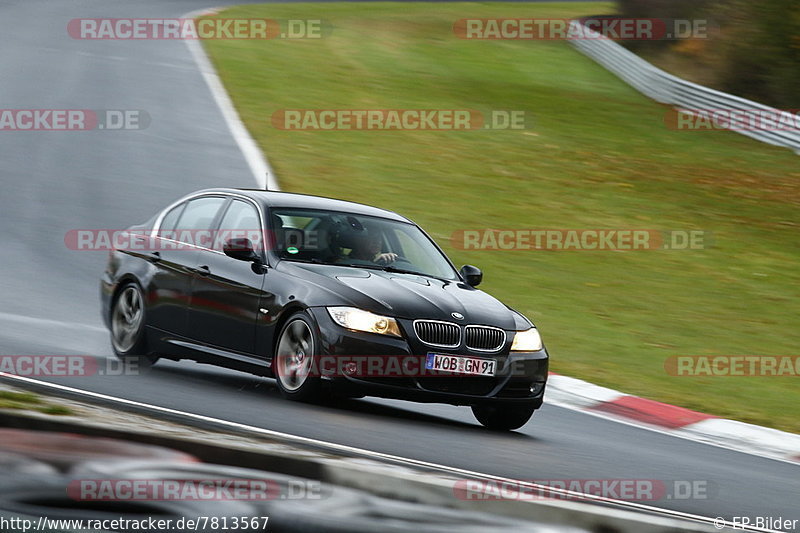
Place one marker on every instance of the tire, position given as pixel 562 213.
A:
pixel 20 465
pixel 348 511
pixel 31 498
pixel 295 360
pixel 65 451
pixel 503 417
pixel 128 321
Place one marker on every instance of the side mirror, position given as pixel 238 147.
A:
pixel 472 275
pixel 241 249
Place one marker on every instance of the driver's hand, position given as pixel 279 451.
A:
pixel 385 258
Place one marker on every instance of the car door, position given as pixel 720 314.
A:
pixel 226 292
pixel 174 260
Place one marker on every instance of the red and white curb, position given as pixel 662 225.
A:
pixel 583 396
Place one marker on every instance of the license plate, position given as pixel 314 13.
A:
pixel 459 364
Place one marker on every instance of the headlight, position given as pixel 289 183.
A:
pixel 360 320
pixel 527 341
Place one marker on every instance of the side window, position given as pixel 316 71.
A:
pixel 194 224
pixel 241 220
pixel 169 220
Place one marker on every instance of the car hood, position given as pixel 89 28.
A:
pixel 405 295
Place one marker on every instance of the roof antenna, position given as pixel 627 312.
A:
pixel 266 182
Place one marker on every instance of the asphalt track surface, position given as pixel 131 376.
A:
pixel 56 181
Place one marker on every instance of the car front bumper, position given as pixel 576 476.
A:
pixel 520 377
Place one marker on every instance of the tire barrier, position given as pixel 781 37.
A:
pixel 299 505
pixel 45 497
pixel 70 477
pixel 65 450
pixel 368 514
pixel 12 463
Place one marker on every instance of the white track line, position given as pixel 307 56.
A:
pixel 388 457
pixel 259 166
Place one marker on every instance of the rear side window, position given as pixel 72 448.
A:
pixel 195 223
pixel 169 220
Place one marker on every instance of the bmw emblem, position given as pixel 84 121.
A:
pixel 457 316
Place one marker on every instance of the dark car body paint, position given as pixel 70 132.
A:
pixel 215 318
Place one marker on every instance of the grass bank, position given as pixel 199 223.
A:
pixel 598 155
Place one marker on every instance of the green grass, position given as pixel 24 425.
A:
pixel 598 156
pixel 31 402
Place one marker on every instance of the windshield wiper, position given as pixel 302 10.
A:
pixel 390 268
pixel 358 265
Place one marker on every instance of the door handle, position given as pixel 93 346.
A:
pixel 154 257
pixel 202 270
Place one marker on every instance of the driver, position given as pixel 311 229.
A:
pixel 368 248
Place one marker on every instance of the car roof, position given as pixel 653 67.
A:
pixel 307 201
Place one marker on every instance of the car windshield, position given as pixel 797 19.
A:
pixel 335 238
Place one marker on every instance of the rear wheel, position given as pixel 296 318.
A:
pixel 295 362
pixel 128 327
pixel 503 417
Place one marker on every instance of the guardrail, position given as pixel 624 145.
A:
pixel 684 95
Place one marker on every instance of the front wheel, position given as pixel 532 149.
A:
pixel 128 337
pixel 503 417
pixel 294 364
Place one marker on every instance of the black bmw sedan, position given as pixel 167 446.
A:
pixel 326 296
